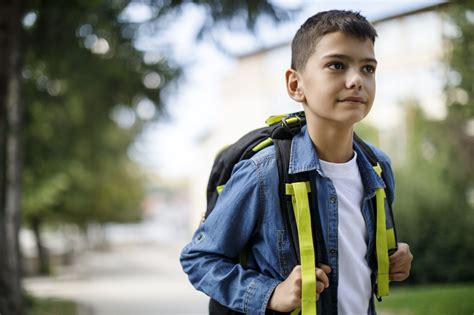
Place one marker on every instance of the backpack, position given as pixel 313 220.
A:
pixel 295 196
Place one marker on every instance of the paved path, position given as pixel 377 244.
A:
pixel 132 280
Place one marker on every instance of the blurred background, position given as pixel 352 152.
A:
pixel 111 113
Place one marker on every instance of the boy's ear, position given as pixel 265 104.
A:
pixel 293 85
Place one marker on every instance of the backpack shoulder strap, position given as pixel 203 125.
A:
pixel 371 156
pixel 385 238
pixel 368 152
pixel 282 151
pixel 302 222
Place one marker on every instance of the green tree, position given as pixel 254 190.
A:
pixel 79 66
pixel 74 76
pixel 435 187
pixel 10 157
pixel 431 204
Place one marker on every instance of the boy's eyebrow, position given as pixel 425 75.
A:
pixel 345 57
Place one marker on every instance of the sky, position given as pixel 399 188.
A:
pixel 167 147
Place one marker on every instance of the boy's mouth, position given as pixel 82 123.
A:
pixel 353 99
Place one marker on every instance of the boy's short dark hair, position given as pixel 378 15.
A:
pixel 322 23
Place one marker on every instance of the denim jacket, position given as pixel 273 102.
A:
pixel 247 216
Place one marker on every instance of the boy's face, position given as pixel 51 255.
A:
pixel 337 84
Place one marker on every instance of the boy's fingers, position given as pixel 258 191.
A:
pixel 402 252
pixel 322 277
pixel 325 268
pixel 319 287
pixel 399 276
pixel 396 257
pixel 405 267
pixel 401 262
pixel 401 259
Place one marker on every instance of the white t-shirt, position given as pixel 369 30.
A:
pixel 354 288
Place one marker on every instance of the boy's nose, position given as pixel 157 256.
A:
pixel 354 81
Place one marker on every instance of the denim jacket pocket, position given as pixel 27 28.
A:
pixel 283 252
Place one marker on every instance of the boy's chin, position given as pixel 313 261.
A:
pixel 349 121
pixel 344 119
pixel 353 117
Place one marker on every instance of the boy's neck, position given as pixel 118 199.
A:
pixel 332 143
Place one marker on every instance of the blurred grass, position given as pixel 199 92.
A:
pixel 431 299
pixel 49 306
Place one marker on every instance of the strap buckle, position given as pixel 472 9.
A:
pixel 292 123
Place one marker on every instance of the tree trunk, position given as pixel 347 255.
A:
pixel 43 256
pixel 10 158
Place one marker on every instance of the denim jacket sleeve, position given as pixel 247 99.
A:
pixel 209 259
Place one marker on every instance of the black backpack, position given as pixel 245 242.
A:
pixel 278 132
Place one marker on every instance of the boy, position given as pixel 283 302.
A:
pixel 333 76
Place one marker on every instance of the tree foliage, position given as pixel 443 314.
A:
pixel 89 92
pixel 76 168
pixel 435 188
pixel 79 66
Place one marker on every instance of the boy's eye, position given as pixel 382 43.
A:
pixel 336 66
pixel 369 69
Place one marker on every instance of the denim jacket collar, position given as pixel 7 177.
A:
pixel 304 158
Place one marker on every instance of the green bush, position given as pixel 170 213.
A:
pixel 434 300
pixel 49 306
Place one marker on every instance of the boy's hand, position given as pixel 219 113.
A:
pixel 287 295
pixel 400 263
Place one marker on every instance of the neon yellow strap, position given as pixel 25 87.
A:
pixel 277 118
pixel 274 119
pixel 292 120
pixel 381 240
pixel 219 189
pixel 265 143
pixel 299 196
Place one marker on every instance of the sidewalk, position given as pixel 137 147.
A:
pixel 132 280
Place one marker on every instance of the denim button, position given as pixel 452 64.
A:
pixel 333 199
pixel 332 251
